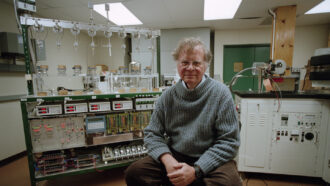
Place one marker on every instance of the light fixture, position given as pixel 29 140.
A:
pixel 323 7
pixel 118 14
pixel 220 9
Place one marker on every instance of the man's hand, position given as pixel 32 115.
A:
pixel 184 174
pixel 169 162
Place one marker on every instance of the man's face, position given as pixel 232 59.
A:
pixel 191 66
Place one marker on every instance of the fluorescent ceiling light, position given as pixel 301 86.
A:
pixel 220 9
pixel 118 14
pixel 323 7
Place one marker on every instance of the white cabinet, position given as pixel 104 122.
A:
pixel 284 137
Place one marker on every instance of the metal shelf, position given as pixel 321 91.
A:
pixel 87 146
pixel 26 100
pixel 87 97
pixel 100 167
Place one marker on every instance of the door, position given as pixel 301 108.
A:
pixel 239 57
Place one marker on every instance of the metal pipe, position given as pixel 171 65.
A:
pixel 274 25
pixel 86 26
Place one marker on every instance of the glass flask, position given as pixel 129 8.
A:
pixel 42 73
pixel 122 79
pixel 134 70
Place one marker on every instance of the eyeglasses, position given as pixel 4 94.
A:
pixel 186 64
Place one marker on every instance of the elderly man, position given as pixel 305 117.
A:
pixel 193 134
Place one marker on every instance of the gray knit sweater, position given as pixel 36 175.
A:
pixel 200 123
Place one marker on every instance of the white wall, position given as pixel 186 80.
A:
pixel 11 129
pixel 307 39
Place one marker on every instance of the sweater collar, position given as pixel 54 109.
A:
pixel 195 93
pixel 200 83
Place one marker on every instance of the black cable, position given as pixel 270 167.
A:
pixel 264 181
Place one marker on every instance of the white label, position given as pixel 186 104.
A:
pixel 67 99
pixel 28 77
pixel 20 39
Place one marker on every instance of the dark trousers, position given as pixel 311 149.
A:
pixel 147 171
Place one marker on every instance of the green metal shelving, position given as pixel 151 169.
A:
pixel 31 98
pixel 34 99
pixel 38 99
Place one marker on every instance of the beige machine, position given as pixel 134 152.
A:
pixel 291 138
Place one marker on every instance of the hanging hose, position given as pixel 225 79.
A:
pixel 233 80
pixel 16 16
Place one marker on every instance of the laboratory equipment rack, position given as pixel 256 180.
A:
pixel 24 101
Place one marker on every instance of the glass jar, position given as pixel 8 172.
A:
pixel 147 70
pixel 43 70
pixel 134 67
pixel 76 70
pixel 91 71
pixel 61 70
pixel 122 70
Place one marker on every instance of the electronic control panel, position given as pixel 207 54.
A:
pixel 139 104
pixel 45 110
pixel 296 127
pixel 99 106
pixel 145 103
pixel 122 104
pixel 72 108
pixel 57 133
